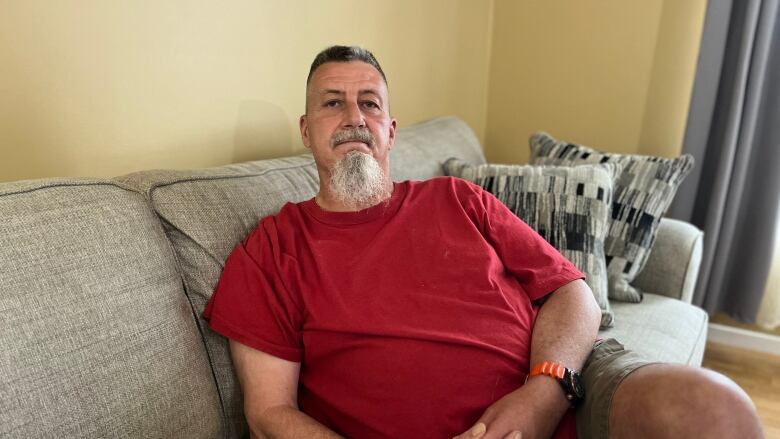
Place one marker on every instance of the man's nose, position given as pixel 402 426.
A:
pixel 353 117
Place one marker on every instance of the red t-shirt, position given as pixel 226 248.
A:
pixel 410 318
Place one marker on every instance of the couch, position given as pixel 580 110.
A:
pixel 104 281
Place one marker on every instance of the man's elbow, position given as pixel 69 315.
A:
pixel 590 304
pixel 261 420
pixel 581 296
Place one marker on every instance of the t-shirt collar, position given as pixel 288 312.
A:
pixel 387 207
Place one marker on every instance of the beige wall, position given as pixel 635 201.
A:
pixel 613 74
pixel 671 80
pixel 101 88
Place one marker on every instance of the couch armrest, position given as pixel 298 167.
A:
pixel 673 265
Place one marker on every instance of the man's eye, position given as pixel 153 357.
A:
pixel 331 104
pixel 370 104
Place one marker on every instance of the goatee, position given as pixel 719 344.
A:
pixel 358 182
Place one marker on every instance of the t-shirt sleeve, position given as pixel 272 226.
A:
pixel 538 266
pixel 251 303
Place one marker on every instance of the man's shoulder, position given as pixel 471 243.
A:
pixel 446 193
pixel 444 182
pixel 454 186
pixel 288 216
pixel 288 209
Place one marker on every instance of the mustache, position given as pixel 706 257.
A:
pixel 353 135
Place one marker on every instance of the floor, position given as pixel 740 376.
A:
pixel 723 319
pixel 757 373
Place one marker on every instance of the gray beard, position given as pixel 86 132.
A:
pixel 358 182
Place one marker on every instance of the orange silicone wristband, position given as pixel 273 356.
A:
pixel 548 368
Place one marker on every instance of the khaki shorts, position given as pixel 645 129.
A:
pixel 608 365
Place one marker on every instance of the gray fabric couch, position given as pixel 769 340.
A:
pixel 103 283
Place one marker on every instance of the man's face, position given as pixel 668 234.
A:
pixel 344 97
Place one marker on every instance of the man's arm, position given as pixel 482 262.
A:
pixel 564 332
pixel 270 388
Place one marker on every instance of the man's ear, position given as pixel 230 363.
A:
pixel 391 139
pixel 304 127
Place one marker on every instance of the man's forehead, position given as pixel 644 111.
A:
pixel 338 91
pixel 334 76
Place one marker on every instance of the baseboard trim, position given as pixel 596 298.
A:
pixel 743 339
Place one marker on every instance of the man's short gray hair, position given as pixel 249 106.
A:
pixel 344 54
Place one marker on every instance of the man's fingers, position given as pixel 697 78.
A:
pixel 478 430
pixel 475 432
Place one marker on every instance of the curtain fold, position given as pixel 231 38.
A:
pixel 733 133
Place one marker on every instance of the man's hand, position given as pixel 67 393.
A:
pixel 533 411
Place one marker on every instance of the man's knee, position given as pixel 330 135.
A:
pixel 665 400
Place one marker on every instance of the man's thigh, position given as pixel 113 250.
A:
pixel 607 366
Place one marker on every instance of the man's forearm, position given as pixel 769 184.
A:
pixel 284 422
pixel 564 332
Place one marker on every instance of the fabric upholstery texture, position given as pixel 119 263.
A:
pixel 643 192
pixel 674 267
pixel 661 329
pixel 421 149
pixel 97 337
pixel 567 206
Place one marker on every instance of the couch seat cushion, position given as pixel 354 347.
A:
pixel 661 329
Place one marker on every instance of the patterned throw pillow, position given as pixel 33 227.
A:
pixel 642 194
pixel 568 206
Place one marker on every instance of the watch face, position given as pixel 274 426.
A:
pixel 573 385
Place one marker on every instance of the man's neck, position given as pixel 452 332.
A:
pixel 328 202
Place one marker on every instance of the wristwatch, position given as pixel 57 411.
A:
pixel 570 380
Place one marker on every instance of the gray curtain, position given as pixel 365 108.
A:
pixel 733 131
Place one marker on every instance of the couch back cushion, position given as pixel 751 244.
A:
pixel 97 337
pixel 207 212
pixel 420 150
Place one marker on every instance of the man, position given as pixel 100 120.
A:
pixel 419 309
